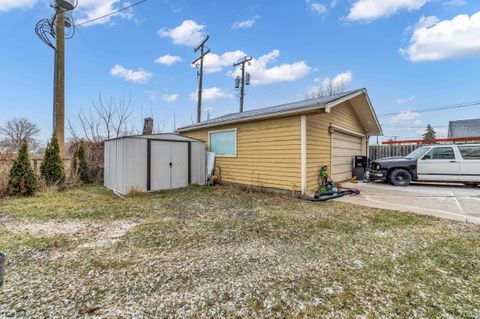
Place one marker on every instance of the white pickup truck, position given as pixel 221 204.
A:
pixel 440 163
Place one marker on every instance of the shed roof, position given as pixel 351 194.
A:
pixel 289 109
pixel 464 128
pixel 161 136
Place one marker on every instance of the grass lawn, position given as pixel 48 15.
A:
pixel 222 252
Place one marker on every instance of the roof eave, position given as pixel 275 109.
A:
pixel 254 118
pixel 377 122
pixel 285 113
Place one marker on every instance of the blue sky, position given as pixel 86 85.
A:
pixel 409 54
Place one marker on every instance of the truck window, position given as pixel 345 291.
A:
pixel 441 153
pixel 470 152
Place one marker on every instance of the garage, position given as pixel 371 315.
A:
pixel 283 147
pixel 153 162
pixel 345 146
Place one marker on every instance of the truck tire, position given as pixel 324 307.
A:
pixel 400 177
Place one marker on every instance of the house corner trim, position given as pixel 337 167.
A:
pixel 303 153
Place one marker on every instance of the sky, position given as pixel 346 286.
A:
pixel 408 54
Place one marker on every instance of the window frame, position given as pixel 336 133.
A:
pixel 223 131
pixel 465 146
pixel 424 157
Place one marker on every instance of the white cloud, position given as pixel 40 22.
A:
pixel 153 95
pixel 245 24
pixel 455 3
pixel 406 117
pixel 426 22
pixel 91 9
pixel 441 132
pixel 318 8
pixel 168 59
pixel 170 97
pixel 340 80
pixel 404 100
pixel 188 33
pixel 262 74
pixel 440 40
pixel 210 94
pixel 215 63
pixel 375 9
pixel 7 5
pixel 140 76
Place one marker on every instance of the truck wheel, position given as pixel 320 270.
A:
pixel 400 177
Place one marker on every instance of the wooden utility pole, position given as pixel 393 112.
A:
pixel 46 29
pixel 242 79
pixel 59 79
pixel 203 53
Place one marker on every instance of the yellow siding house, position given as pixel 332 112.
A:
pixel 284 146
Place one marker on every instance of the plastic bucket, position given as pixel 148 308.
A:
pixel 2 268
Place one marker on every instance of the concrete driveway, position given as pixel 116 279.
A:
pixel 455 202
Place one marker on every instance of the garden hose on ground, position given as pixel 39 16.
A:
pixel 328 190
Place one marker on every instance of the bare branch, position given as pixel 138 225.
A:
pixel 18 130
pixel 105 119
pixel 330 87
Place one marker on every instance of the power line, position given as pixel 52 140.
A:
pixel 433 109
pixel 403 127
pixel 111 13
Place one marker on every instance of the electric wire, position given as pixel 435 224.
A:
pixel 439 108
pixel 111 13
pixel 45 28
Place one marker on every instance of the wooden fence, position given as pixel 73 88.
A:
pixel 380 151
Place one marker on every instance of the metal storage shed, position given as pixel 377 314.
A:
pixel 153 162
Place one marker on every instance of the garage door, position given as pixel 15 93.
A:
pixel 344 148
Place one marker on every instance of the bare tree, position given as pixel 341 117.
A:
pixel 17 130
pixel 104 120
pixel 329 87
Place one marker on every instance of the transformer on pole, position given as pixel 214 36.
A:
pixel 243 80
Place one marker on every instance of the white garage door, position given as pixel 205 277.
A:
pixel 344 148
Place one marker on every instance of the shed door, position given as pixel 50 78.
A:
pixel 169 165
pixel 160 165
pixel 344 148
pixel 179 169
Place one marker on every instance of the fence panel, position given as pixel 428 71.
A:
pixel 381 151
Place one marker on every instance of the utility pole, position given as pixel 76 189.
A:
pixel 48 29
pixel 59 76
pixel 244 80
pixel 203 53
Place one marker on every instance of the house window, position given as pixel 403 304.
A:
pixel 223 143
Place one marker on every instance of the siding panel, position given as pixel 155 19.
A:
pixel 268 153
pixel 319 141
